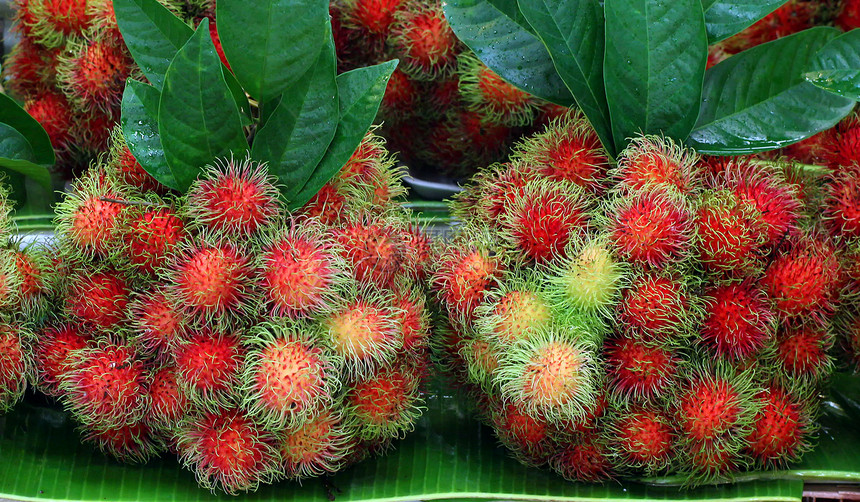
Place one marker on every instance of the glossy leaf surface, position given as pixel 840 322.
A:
pixel 836 66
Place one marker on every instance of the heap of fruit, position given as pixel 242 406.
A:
pixel 70 68
pixel 444 111
pixel 256 344
pixel 659 314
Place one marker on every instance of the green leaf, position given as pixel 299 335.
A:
pixel 507 48
pixel 239 96
pixel 139 123
pixel 198 120
pixel 572 31
pixel 758 100
pixel 512 9
pixel 656 53
pixel 17 155
pixel 360 92
pixel 301 127
pixel 152 34
pixel 836 66
pixel 13 115
pixel 271 43
pixel 725 18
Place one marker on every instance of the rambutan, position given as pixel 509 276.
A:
pixel 211 281
pixel 287 376
pixel 802 352
pixel 234 199
pixel 791 17
pixel 318 446
pixel 568 149
pixel 92 73
pixel 730 232
pixel 464 276
pixel 515 311
pixel 124 167
pixel 843 143
pixel 738 320
pixel 208 366
pixel 375 16
pixel 57 348
pixel 708 461
pixel 300 270
pixel 28 68
pixel 638 371
pixel 841 212
pixel 652 228
pixel 386 404
pixel 52 22
pixel 328 204
pixel 106 385
pixel 158 326
pixel 226 450
pixel 544 219
pixel 412 316
pixel 551 374
pixel 168 404
pixel 849 15
pixel 716 405
pixel 485 92
pixel 15 365
pixel 11 279
pixel 495 189
pixel 802 280
pixel 526 436
pixel 589 278
pixel 98 298
pixel 417 251
pixel 481 356
pixel 780 429
pixel 656 307
pixel 89 218
pixel 31 267
pixel 91 129
pixel 53 112
pixel 656 162
pixel 401 96
pixel 643 439
pixel 131 443
pixel 363 331
pixel 585 459
pixel 373 249
pixel 149 235
pixel 424 41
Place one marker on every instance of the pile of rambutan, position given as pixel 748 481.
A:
pixel 444 111
pixel 655 315
pixel 256 344
pixel 69 68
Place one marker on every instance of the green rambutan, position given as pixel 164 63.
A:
pixel 638 371
pixel 56 350
pixel 567 150
pixel 318 446
pixel 287 376
pixel 106 385
pixel 738 320
pixel 364 332
pixel 386 404
pixel 149 235
pixel 424 41
pixel 98 298
pixel 552 374
pixel 652 228
pixel 657 162
pixel 514 311
pixel 485 92
pixel 781 429
pixel 585 459
pixel 643 439
pixel 208 368
pixel 157 325
pixel 588 279
pixel 168 404
pixel 730 233
pixel 233 199
pixel 300 270
pixel 226 450
pixel 841 212
pixel 15 365
pixel 541 221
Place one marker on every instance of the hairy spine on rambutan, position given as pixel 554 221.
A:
pixel 587 459
pixel 552 374
pixel 412 315
pixel 301 269
pixel 288 375
pixel 32 263
pixel 233 199
pixel 227 450
pixel 387 403
pixel 149 235
pixel 373 248
pixel 130 443
pixel 92 73
pixel 487 93
pixel 168 404
pixel 526 436
pixel 492 193
pixel 53 112
pixel 56 350
pixel 782 428
pixel 643 440
pixel 738 320
pixel 843 143
pixel 89 218
pixel 51 23
pixel 124 168
pixel 801 352
pixel 375 16
pixel 16 366
pixel 157 325
pixel 481 357
pixel 516 309
pixel 730 233
pixel 11 280
pixel 98 297
pixel 658 162
pixel 28 68
pixel 208 366
pixel 542 220
pixel 318 446
pixel 842 202
pixel 424 41
pixel 652 228
pixel 106 385
pixel 657 307
pixel 640 372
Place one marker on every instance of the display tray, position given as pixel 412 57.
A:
pixel 448 456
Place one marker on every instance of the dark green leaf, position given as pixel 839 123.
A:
pixel 271 43
pixel 507 48
pixel 152 34
pixel 12 114
pixel 836 66
pixel 17 155
pixel 725 18
pixel 239 95
pixel 360 92
pixel 758 100
pixel 301 127
pixel 198 120
pixel 511 8
pixel 656 53
pixel 139 122
pixel 572 31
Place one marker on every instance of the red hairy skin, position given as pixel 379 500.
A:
pixel 639 371
pixel 738 322
pixel 652 229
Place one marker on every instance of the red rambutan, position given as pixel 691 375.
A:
pixel 586 459
pixel 125 168
pixel 715 406
pixel 386 404
pixel 730 231
pixel 52 22
pixel 651 161
pixel 208 367
pixel 495 188
pixel 328 204
pixel 168 404
pixel 149 236
pixel 487 93
pixel 15 366
pixel 318 446
pixel 53 112
pixel 644 438
pixel 375 16
pixel 56 350
pixel 802 352
pixel 738 320
pixel 522 433
pixel 464 276
pixel 364 332
pixel 89 218
pixel 639 371
pixel 401 96
pixel 841 212
pixel 98 298
pixel 780 429
pixel 655 307
pixel 373 249
pixel 93 73
pixel 424 41
pixel 849 15
pixel 157 324
pixel 31 270
pixel 132 443
pixel 651 228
